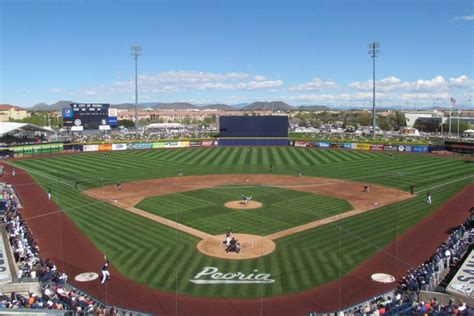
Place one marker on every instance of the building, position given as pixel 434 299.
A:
pixel 10 112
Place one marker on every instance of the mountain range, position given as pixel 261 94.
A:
pixel 255 106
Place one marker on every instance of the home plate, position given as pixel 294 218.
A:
pixel 115 201
pixel 86 277
pixel 383 278
pixel 376 203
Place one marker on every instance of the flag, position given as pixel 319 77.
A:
pixel 453 102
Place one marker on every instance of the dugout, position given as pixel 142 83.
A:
pixel 269 130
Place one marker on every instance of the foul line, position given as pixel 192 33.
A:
pixel 446 183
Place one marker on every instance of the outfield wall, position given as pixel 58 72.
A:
pixel 60 148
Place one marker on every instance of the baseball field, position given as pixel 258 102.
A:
pixel 322 224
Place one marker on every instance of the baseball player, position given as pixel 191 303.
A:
pixel 428 197
pixel 105 272
pixel 76 185
pixel 13 172
pixel 180 173
pixel 49 194
pixel 299 172
pixel 412 189
pixel 366 188
pixel 118 186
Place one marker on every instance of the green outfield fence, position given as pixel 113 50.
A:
pixel 60 148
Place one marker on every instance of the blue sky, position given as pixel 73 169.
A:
pixel 300 52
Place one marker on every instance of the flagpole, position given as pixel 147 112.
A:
pixel 458 123
pixel 450 109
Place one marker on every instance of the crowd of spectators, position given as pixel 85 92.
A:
pixel 55 293
pixel 406 299
pixel 150 135
pixel 400 305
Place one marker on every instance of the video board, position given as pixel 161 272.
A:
pixel 89 116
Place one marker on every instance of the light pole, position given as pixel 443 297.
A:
pixel 374 49
pixel 136 51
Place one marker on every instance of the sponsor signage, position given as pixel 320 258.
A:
pixel 323 145
pixel 347 145
pixel 376 147
pixel 207 143
pixel 90 148
pixel 300 144
pixel 390 147
pixel 463 281
pixel 139 146
pixel 362 146
pixel 77 128
pixel 419 149
pixel 171 145
pixel 183 144
pixel 158 145
pixel 5 274
pixel 194 144
pixel 105 147
pixel 212 275
pixel 336 145
pixel 404 148
pixel 113 121
pixel 119 146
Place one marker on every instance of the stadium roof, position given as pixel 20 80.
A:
pixel 8 127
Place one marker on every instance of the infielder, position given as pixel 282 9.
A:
pixel 105 272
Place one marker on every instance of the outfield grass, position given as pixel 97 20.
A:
pixel 282 209
pixel 164 258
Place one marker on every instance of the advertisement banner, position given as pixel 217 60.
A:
pixel 347 145
pixel 323 144
pixel 335 145
pixel 195 143
pixel 461 284
pixel 37 149
pixel 119 146
pixel 390 147
pixel 419 149
pixel 132 146
pixel 300 144
pixel 376 147
pixel 362 146
pixel 105 147
pixel 171 145
pixel 90 148
pixel 207 143
pixel 183 144
pixel 158 145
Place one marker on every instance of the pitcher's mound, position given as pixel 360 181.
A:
pixel 241 205
pixel 252 246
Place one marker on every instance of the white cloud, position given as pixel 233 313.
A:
pixel 465 18
pixel 315 84
pixel 178 81
pixel 461 82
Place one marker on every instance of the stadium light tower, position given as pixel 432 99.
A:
pixel 374 49
pixel 136 51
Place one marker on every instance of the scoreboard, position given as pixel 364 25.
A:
pixel 89 116
pixel 253 126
